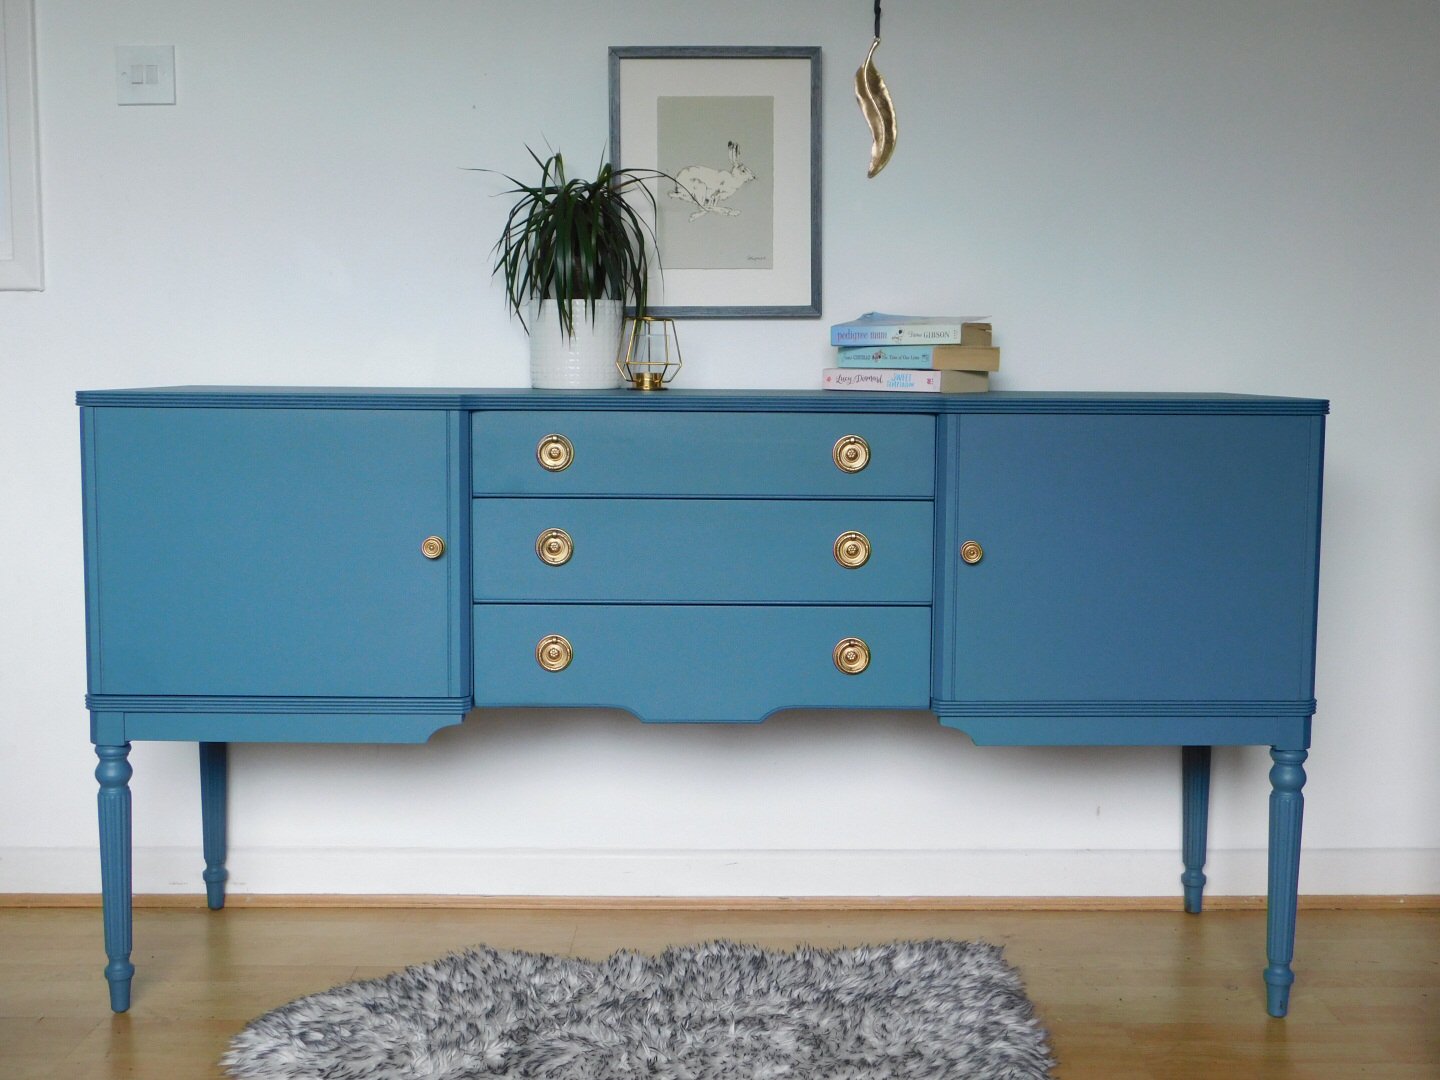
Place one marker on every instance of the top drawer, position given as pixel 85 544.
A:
pixel 703 453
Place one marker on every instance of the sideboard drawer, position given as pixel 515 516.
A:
pixel 701 663
pixel 703 550
pixel 703 453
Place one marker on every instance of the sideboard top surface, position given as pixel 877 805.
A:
pixel 386 397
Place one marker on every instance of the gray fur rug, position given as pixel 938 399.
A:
pixel 927 1010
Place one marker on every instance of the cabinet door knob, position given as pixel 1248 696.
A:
pixel 971 552
pixel 554 653
pixel 852 655
pixel 851 453
pixel 852 549
pixel 432 547
pixel 554 546
pixel 555 453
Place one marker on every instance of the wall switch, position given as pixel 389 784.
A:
pixel 145 74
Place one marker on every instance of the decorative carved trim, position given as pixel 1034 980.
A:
pixel 1062 709
pixel 149 703
pixel 702 401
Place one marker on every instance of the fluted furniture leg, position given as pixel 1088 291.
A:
pixel 1287 809
pixel 114 773
pixel 213 783
pixel 1195 818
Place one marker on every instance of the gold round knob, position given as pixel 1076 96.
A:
pixel 555 453
pixel 852 549
pixel 971 552
pixel 554 653
pixel 554 546
pixel 432 547
pixel 851 453
pixel 852 655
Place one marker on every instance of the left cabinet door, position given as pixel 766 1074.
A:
pixel 275 552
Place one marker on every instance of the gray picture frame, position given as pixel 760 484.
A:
pixel 797 283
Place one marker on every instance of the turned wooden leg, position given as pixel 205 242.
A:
pixel 1195 817
pixel 114 773
pixel 213 782
pixel 1287 808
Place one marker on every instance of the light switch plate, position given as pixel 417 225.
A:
pixel 145 74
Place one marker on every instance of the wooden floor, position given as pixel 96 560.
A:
pixel 1125 995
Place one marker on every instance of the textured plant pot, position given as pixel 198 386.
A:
pixel 585 361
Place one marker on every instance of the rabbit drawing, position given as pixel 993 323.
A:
pixel 707 188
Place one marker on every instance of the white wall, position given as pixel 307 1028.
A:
pixel 1234 195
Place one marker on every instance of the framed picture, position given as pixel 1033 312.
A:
pixel 737 228
pixel 20 266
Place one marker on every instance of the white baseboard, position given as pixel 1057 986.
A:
pixel 721 873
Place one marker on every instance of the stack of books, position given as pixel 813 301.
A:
pixel 914 353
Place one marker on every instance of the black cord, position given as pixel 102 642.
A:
pixel 877 19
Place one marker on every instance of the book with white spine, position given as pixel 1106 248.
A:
pixel 906 380
pixel 878 328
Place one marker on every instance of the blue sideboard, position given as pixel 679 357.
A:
pixel 285 564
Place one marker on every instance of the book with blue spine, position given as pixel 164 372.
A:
pixel 879 328
pixel 923 357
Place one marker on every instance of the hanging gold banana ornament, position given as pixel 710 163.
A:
pixel 878 110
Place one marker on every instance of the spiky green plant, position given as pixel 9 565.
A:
pixel 568 239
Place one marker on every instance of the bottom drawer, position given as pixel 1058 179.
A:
pixel 679 663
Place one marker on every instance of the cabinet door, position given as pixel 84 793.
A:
pixel 1130 558
pixel 275 552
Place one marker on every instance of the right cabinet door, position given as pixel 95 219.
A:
pixel 1157 558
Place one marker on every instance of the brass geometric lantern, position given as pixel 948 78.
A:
pixel 649 353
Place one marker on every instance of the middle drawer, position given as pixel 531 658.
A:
pixel 703 550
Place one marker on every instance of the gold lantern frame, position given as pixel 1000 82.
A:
pixel 639 365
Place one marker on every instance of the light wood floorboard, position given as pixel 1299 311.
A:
pixel 1126 995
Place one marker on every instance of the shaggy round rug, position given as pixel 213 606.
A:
pixel 921 1010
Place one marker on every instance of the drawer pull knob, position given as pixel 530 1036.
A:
pixel 432 547
pixel 852 549
pixel 554 653
pixel 554 546
pixel 971 552
pixel 852 655
pixel 851 453
pixel 555 453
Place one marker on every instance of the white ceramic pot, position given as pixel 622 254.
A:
pixel 585 361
